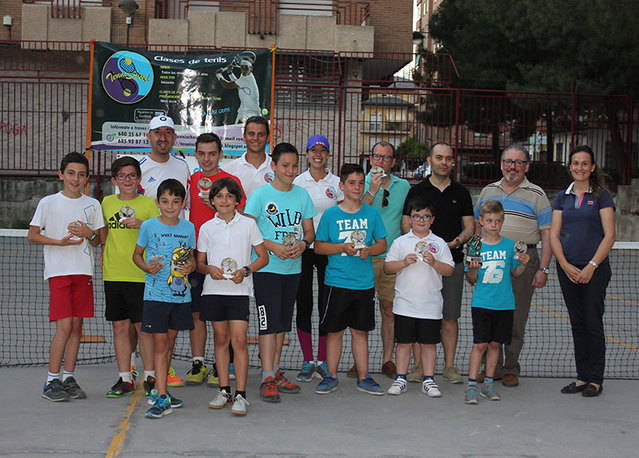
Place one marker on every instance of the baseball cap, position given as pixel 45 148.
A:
pixel 161 121
pixel 318 140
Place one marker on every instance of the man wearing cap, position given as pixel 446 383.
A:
pixel 454 222
pixel 160 164
pixel 387 193
pixel 323 188
pixel 527 217
pixel 246 86
pixel 253 168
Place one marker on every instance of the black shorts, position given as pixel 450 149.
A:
pixel 492 325
pixel 159 317
pixel 275 299
pixel 409 330
pixel 196 280
pixel 349 308
pixel 124 301
pixel 216 307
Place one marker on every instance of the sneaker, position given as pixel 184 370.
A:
pixel 452 375
pixel 73 389
pixel 54 391
pixel 389 369
pixel 197 374
pixel 232 376
pixel 172 379
pixel 134 374
pixel 153 397
pixel 121 388
pixel 399 386
pixel 306 374
pixel 269 391
pixel 213 379
pixel 430 388
pixel 327 385
pixel 149 384
pixel 221 400
pixel 175 402
pixel 239 405
pixel 161 407
pixel 284 385
pixel 370 386
pixel 321 370
pixel 416 375
pixel 352 372
pixel 470 396
pixel 489 392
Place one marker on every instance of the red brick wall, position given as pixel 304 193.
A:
pixel 393 21
pixel 11 8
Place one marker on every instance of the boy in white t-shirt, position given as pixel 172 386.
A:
pixel 419 258
pixel 66 224
pixel 224 256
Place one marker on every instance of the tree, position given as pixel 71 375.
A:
pixel 545 45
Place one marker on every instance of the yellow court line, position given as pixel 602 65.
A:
pixel 125 423
pixel 623 300
pixel 610 338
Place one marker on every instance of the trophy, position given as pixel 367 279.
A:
pixel 289 239
pixel 229 266
pixel 358 238
pixel 126 212
pixel 74 225
pixel 421 249
pixel 520 248
pixel 181 256
pixel 473 248
pixel 155 260
pixel 378 171
pixel 204 184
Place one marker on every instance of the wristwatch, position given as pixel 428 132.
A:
pixel 92 238
pixel 545 270
pixel 247 271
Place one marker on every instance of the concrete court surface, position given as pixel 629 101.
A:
pixel 531 420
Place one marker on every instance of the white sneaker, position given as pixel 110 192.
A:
pixel 430 388
pixel 398 387
pixel 221 400
pixel 239 405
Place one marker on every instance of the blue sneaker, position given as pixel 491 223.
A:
pixel 370 386
pixel 231 371
pixel 321 370
pixel 327 385
pixel 161 407
pixel 175 402
pixel 153 397
pixel 306 373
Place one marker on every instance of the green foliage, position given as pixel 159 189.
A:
pixel 411 148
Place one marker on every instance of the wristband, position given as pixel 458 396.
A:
pixel 370 193
pixel 95 234
pixel 307 243
pixel 593 263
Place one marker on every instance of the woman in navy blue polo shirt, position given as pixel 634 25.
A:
pixel 581 236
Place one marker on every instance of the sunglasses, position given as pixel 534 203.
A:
pixel 385 198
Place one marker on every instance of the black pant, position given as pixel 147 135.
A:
pixel 305 290
pixel 585 304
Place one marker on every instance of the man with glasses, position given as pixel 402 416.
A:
pixel 454 222
pixel 527 218
pixel 387 193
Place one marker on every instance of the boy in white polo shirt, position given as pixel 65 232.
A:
pixel 419 258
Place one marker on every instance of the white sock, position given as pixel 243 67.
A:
pixel 125 376
pixel 149 374
pixel 198 358
pixel 52 376
pixel 66 375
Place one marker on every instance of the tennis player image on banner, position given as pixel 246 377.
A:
pixel 201 93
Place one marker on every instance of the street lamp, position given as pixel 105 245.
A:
pixel 128 7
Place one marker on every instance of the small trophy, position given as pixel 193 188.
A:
pixel 126 212
pixel 421 249
pixel 155 260
pixel 229 266
pixel 520 248
pixel 378 171
pixel 289 239
pixel 204 184
pixel 473 248
pixel 74 225
pixel 358 238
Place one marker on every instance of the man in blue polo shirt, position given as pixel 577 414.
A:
pixel 387 193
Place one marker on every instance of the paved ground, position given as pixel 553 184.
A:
pixel 531 420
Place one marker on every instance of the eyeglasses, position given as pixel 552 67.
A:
pixel 517 163
pixel 383 157
pixel 127 176
pixel 422 218
pixel 385 198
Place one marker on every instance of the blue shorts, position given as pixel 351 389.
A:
pixel 275 299
pixel 159 317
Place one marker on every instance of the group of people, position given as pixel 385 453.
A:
pixel 259 229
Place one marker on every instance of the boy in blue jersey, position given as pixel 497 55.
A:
pixel 169 242
pixel 350 234
pixel 493 300
pixel 284 214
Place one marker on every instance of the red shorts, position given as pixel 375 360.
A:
pixel 70 296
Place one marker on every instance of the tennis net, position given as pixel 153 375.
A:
pixel 548 350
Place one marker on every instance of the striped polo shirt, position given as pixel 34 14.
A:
pixel 527 210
